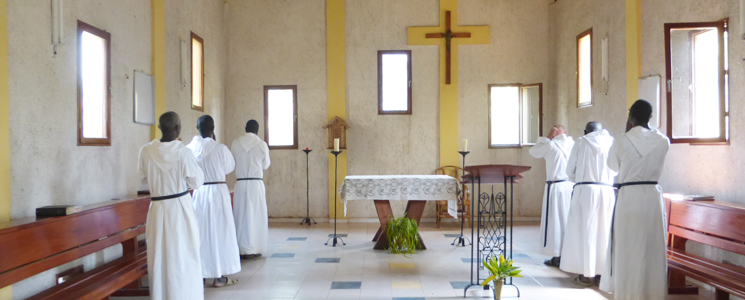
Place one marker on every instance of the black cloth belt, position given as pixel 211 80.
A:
pixel 239 179
pixel 214 182
pixel 592 183
pixel 168 197
pixel 613 219
pixel 548 195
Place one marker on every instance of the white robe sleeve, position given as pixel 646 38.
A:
pixel 142 168
pixel 267 161
pixel 194 174
pixel 572 164
pixel 614 158
pixel 228 160
pixel 540 148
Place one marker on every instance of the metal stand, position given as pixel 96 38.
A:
pixel 461 240
pixel 335 238
pixel 492 216
pixel 307 191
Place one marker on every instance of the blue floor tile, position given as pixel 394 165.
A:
pixel 283 255
pixel 346 285
pixel 468 260
pixel 452 235
pixel 459 284
pixel 520 256
pixel 338 235
pixel 408 298
pixel 302 239
pixel 329 260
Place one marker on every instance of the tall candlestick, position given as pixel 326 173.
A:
pixel 465 145
pixel 336 145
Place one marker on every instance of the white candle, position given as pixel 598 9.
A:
pixel 465 145
pixel 336 145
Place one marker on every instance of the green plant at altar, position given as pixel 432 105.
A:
pixel 403 235
pixel 499 269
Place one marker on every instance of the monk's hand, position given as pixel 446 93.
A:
pixel 554 132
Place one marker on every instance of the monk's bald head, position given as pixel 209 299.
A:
pixel 170 125
pixel 593 126
pixel 560 128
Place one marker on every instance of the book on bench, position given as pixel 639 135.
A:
pixel 688 197
pixel 57 210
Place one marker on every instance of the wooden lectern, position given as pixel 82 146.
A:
pixel 490 208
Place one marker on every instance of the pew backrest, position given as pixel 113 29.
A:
pixel 715 223
pixel 30 246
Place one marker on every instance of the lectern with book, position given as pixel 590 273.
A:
pixel 493 234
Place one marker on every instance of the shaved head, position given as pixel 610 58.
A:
pixel 206 125
pixel 170 125
pixel 560 128
pixel 593 126
pixel 252 126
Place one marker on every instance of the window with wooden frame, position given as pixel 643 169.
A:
pixel 94 83
pixel 697 82
pixel 280 116
pixel 197 72
pixel 584 69
pixel 394 82
pixel 515 114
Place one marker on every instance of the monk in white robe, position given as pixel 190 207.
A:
pixel 637 267
pixel 219 247
pixel 251 216
pixel 588 226
pixel 555 149
pixel 170 169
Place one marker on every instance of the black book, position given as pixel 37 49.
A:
pixel 57 210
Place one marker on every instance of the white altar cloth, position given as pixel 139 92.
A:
pixel 401 188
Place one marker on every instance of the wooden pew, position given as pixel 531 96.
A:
pixel 30 246
pixel 714 223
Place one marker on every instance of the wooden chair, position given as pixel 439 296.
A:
pixel 714 223
pixel 464 197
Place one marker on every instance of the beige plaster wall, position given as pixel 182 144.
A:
pixel 281 43
pixel 207 19
pixel 517 53
pixel 714 170
pixel 569 19
pixel 390 144
pixel 47 166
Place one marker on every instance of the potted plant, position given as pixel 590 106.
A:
pixel 403 235
pixel 499 269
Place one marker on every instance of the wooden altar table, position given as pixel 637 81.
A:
pixel 416 189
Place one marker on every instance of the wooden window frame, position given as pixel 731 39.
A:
pixel 295 116
pixel 83 141
pixel 194 36
pixel 723 28
pixel 521 143
pixel 587 32
pixel 380 83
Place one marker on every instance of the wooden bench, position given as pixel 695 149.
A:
pixel 30 246
pixel 714 223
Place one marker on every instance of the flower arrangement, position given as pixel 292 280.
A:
pixel 403 235
pixel 499 269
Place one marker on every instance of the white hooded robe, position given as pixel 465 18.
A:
pixel 219 247
pixel 554 212
pixel 637 267
pixel 251 216
pixel 588 226
pixel 173 263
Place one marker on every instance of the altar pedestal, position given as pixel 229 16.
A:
pixel 492 236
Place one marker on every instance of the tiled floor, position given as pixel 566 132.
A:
pixel 300 266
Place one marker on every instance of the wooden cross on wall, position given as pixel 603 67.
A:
pixel 448 35
pixel 448 32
